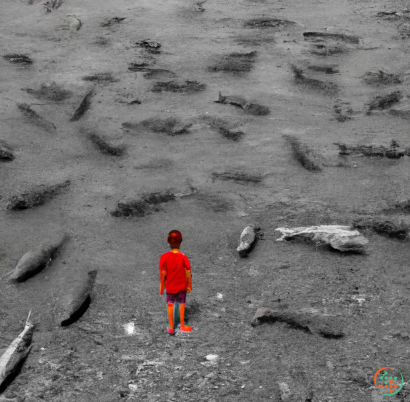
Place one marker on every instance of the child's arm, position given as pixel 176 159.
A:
pixel 162 277
pixel 188 274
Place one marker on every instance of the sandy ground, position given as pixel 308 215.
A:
pixel 94 359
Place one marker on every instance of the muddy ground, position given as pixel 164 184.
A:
pixel 176 137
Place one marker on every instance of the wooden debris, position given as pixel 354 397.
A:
pixel 339 237
pixel 247 240
pixel 35 117
pixel 36 196
pixel 84 106
pixel 36 259
pixel 15 354
pixel 239 177
pixel 79 300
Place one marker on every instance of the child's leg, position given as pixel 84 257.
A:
pixel 183 327
pixel 170 311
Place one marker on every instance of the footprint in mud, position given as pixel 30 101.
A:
pixel 336 37
pixel 198 5
pixel 249 108
pixel 51 91
pixel 171 125
pixel 151 73
pixel 266 23
pixel 381 102
pixel 109 22
pixel 235 63
pixel 329 44
pixel 188 87
pixel 342 111
pixel 51 5
pixel 16 58
pixel 214 202
pixel 227 130
pixel 328 88
pixel 381 78
pixel 324 68
pixel 100 78
pixel 156 163
pixel 237 176
pixel 149 45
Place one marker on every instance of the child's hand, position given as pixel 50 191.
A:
pixel 188 290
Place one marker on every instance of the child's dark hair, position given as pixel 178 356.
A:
pixel 175 235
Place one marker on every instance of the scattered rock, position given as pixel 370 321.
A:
pixel 173 86
pixel 16 58
pixel 235 63
pixel 79 300
pixel 310 322
pixel 333 36
pixel 34 117
pixel 341 238
pixel 247 240
pixel 135 102
pixel 239 177
pixel 36 196
pixel 381 102
pixel 307 157
pixel 112 21
pixel 263 23
pixel 398 230
pixel 35 260
pixel 52 92
pixel 100 78
pixel 83 107
pixel 250 108
pixel 381 78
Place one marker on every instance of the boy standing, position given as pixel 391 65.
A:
pixel 175 277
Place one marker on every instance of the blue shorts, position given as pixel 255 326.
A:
pixel 179 297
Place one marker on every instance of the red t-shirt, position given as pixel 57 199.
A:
pixel 175 264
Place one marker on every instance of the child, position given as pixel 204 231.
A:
pixel 175 277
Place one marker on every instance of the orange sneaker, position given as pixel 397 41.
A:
pixel 185 328
pixel 171 331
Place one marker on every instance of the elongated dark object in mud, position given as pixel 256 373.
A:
pixel 18 350
pixel 36 260
pixel 37 196
pixel 247 240
pixel 84 106
pixel 79 300
pixel 35 117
